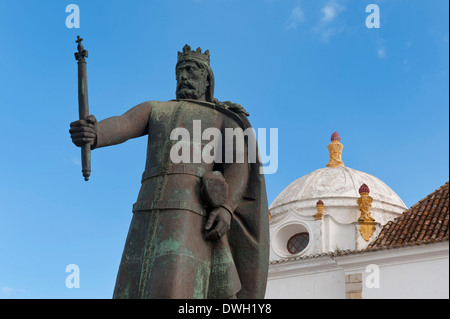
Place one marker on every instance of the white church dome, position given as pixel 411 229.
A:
pixel 323 211
pixel 337 187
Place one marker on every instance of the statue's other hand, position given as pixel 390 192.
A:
pixel 84 131
pixel 218 224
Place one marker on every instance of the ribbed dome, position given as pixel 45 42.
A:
pixel 336 187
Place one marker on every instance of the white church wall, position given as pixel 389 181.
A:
pixel 292 280
pixel 418 279
pixel 337 236
pixel 417 272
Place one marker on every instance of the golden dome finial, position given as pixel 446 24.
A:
pixel 335 151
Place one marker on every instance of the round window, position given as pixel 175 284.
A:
pixel 298 243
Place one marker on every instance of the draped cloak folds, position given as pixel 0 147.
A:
pixel 249 232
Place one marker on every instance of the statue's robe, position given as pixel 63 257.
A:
pixel 166 254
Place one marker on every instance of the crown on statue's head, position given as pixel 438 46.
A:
pixel 196 55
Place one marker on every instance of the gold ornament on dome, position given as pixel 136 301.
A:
pixel 365 220
pixel 319 214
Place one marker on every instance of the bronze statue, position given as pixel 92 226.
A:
pixel 199 228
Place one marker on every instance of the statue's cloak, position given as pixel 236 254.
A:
pixel 249 233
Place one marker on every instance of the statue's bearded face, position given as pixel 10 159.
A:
pixel 191 81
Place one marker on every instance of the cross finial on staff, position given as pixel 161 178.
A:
pixel 82 53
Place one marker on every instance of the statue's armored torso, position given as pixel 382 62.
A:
pixel 169 185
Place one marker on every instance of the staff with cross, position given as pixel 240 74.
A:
pixel 83 107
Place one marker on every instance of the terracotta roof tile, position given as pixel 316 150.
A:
pixel 426 221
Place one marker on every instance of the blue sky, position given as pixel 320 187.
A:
pixel 308 68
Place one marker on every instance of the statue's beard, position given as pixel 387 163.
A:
pixel 189 90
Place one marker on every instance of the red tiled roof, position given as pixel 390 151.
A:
pixel 425 222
